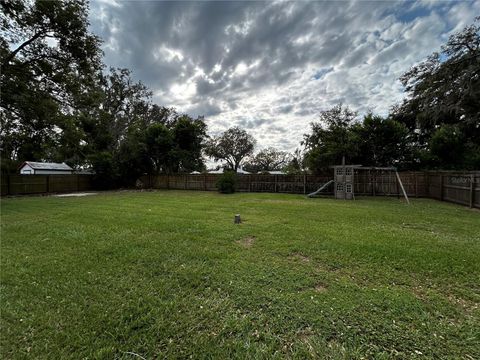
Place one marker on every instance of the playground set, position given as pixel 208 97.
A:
pixel 345 186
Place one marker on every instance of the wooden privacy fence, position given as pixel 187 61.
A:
pixel 457 187
pixel 40 184
pixel 297 184
pixel 461 188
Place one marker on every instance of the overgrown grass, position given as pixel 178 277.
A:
pixel 168 274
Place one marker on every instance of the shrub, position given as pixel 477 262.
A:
pixel 227 182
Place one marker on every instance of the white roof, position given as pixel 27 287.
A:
pixel 195 172
pixel 46 166
pixel 276 172
pixel 220 171
pixel 241 171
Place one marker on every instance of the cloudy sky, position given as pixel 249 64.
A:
pixel 270 67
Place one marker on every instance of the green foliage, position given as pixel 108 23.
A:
pixel 159 144
pixel 331 139
pixel 232 146
pixel 296 163
pixel 46 84
pixel 444 101
pixel 227 182
pixel 57 105
pixel 380 142
pixel 189 137
pixel 132 158
pixel 167 275
pixel 105 168
pixel 269 159
pixel 373 141
pixel 447 144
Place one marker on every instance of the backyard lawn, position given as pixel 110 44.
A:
pixel 167 274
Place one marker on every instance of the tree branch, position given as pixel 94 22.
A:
pixel 10 56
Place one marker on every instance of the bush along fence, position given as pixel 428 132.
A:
pixel 42 184
pixel 457 187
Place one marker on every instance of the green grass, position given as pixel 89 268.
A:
pixel 168 274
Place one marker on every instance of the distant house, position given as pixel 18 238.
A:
pixel 276 172
pixel 43 168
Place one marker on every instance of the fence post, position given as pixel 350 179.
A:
pixel 275 183
pixel 78 183
pixel 426 181
pixel 374 184
pixel 398 190
pixel 441 187
pixel 304 183
pixel 8 184
pixel 204 182
pixel 249 183
pixel 186 180
pixel 168 181
pixel 472 190
pixel 48 183
pixel 416 183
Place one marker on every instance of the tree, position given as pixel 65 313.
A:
pixel 232 146
pixel 159 145
pixel 447 145
pixel 189 136
pixel 296 163
pixel 269 159
pixel 132 158
pixel 331 139
pixel 50 62
pixel 380 142
pixel 444 90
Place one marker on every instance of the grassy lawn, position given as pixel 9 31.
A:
pixel 168 274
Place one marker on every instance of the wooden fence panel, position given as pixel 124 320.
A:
pixel 195 182
pixel 84 182
pixel 434 186
pixel 27 184
pixel 293 184
pixel 39 184
pixel 314 182
pixel 460 189
pixel 476 192
pixel 176 182
pixel 63 183
pixel 243 183
pixel 5 187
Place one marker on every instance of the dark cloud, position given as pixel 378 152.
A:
pixel 272 66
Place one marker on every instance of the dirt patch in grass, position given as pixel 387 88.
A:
pixel 320 288
pixel 467 305
pixel 299 257
pixel 422 294
pixel 246 242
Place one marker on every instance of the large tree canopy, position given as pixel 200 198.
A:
pixel 49 66
pixel 373 141
pixel 330 139
pixel 232 146
pixel 444 98
pixel 268 159
pixel 131 136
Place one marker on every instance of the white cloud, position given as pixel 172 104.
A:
pixel 271 67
